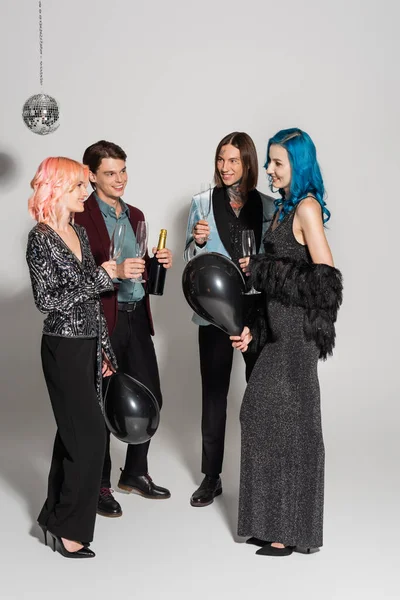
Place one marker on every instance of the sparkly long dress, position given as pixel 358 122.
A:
pixel 282 457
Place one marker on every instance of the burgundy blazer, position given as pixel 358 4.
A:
pixel 92 220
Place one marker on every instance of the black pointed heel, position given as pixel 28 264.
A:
pixel 44 529
pixel 274 551
pixel 301 550
pixel 257 542
pixel 58 546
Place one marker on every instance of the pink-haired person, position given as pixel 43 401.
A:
pixel 75 350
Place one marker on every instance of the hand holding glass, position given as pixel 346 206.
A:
pixel 117 241
pixel 249 248
pixel 205 202
pixel 142 235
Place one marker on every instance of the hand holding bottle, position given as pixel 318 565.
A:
pixel 161 261
pixel 163 256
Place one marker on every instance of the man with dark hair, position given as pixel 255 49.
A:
pixel 233 206
pixel 127 308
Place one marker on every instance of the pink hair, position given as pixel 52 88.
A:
pixel 55 177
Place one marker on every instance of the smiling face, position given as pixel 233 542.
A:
pixel 279 168
pixel 229 164
pixel 110 179
pixel 73 201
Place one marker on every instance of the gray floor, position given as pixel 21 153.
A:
pixel 170 550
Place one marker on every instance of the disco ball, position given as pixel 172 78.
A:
pixel 41 114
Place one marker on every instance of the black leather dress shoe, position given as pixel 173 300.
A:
pixel 107 505
pixel 209 488
pixel 142 485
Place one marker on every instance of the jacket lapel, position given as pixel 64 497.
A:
pixel 99 223
pixel 220 216
pixel 251 217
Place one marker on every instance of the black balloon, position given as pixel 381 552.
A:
pixel 214 286
pixel 131 411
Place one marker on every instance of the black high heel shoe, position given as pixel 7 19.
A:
pixel 59 546
pixel 301 550
pixel 44 529
pixel 274 551
pixel 257 542
pixel 269 550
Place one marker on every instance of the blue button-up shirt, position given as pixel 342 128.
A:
pixel 128 290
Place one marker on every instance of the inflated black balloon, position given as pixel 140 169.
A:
pixel 214 286
pixel 131 411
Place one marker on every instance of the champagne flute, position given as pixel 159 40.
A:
pixel 205 202
pixel 142 235
pixel 249 248
pixel 117 241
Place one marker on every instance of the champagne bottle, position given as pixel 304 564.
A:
pixel 157 271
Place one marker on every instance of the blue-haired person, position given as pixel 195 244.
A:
pixel 282 457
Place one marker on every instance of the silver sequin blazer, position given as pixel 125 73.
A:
pixel 69 290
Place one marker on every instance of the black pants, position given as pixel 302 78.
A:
pixel 134 350
pixel 69 366
pixel 216 356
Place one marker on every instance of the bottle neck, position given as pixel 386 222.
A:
pixel 162 240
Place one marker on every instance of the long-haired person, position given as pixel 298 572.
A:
pixel 233 205
pixel 75 350
pixel 282 460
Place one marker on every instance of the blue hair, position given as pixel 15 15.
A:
pixel 306 175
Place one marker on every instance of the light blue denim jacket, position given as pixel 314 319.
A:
pixel 215 244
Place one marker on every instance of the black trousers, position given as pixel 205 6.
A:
pixel 216 356
pixel 134 350
pixel 69 366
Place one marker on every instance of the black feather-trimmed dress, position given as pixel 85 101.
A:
pixel 282 458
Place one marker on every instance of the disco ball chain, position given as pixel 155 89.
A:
pixel 41 45
pixel 41 113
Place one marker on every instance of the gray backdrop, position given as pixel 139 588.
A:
pixel 166 81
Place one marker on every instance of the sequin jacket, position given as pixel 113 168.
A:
pixel 67 289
